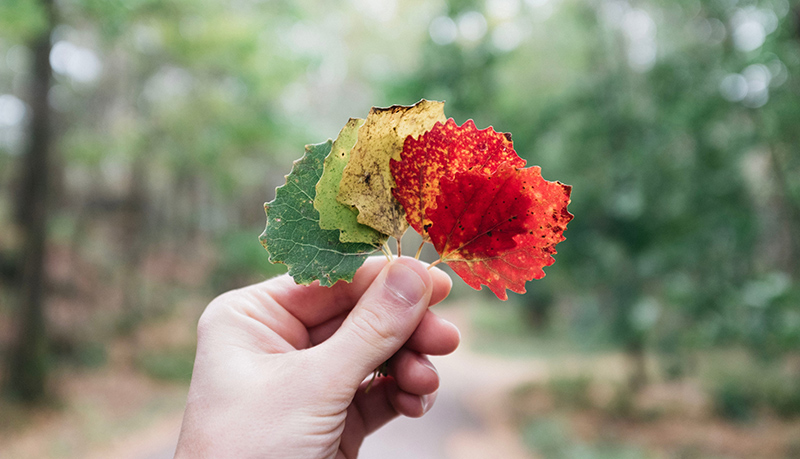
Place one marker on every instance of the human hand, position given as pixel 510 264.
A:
pixel 280 368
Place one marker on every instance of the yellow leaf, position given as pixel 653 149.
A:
pixel 367 181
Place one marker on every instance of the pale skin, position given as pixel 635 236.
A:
pixel 281 369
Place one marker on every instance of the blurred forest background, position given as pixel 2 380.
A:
pixel 140 138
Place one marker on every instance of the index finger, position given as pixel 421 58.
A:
pixel 313 304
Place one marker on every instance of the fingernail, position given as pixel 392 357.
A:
pixel 405 283
pixel 453 326
pixel 427 401
pixel 427 363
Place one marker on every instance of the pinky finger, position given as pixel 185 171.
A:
pixel 412 405
pixel 385 401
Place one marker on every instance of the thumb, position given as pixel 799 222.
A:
pixel 382 321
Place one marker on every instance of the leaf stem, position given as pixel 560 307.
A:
pixel 434 263
pixel 386 254
pixel 369 386
pixel 419 250
pixel 382 370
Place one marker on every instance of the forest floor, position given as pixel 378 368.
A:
pixel 490 405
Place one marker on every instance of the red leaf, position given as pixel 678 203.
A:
pixel 442 152
pixel 499 230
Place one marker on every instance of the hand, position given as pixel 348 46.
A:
pixel 280 368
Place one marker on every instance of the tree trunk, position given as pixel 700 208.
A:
pixel 789 213
pixel 28 360
pixel 134 213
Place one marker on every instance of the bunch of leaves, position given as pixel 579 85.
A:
pixel 494 221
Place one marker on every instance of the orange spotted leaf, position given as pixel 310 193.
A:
pixel 442 152
pixel 499 229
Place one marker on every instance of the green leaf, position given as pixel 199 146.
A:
pixel 293 235
pixel 334 215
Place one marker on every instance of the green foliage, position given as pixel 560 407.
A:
pixel 85 354
pixel 17 417
pixel 623 404
pixel 22 19
pixel 740 395
pixel 571 391
pixel 91 355
pixel 782 396
pixel 293 235
pixel 684 201
pixel 547 437
pixel 735 398
pixel 168 364
pixel 550 438
pixel 241 262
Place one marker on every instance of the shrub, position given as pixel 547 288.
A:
pixel 572 392
pixel 169 365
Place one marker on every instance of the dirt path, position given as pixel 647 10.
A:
pixel 155 442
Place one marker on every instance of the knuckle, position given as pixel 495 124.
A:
pixel 215 311
pixel 205 324
pixel 369 323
